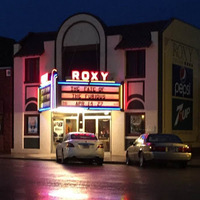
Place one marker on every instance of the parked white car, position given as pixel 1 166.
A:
pixel 80 146
pixel 162 148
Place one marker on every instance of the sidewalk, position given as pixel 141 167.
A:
pixel 194 162
pixel 52 157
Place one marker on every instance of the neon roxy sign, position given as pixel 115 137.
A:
pixel 89 75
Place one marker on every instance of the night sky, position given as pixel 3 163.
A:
pixel 19 17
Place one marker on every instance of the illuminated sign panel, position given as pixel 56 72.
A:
pixel 84 90
pixel 90 95
pixel 44 97
pixel 47 91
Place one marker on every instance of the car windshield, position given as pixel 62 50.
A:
pixel 163 138
pixel 83 136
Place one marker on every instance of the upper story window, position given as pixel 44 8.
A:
pixel 135 64
pixel 32 70
pixel 80 58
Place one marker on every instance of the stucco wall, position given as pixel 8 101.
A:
pixel 18 104
pixel 115 59
pixel 151 86
pixel 117 133
pixel 47 63
pixel 45 132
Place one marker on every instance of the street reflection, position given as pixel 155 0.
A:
pixel 68 193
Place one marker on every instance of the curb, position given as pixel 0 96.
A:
pixel 193 163
pixel 52 159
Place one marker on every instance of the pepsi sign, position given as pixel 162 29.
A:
pixel 182 114
pixel 182 82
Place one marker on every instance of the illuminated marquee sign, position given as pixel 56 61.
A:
pixel 90 95
pixel 85 90
pixel 44 97
pixel 47 91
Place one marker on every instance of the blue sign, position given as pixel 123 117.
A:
pixel 182 82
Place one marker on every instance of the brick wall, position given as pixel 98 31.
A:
pixel 6 107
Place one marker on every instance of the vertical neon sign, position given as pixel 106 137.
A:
pixel 54 75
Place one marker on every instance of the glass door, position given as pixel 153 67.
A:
pixel 62 124
pixel 90 125
pixel 104 133
pixel 101 127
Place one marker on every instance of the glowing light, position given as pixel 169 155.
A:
pixel 121 97
pixel 95 88
pixel 90 103
pixel 88 75
pixel 73 83
pixel 104 75
pixel 44 109
pixel 142 116
pixel 94 76
pixel 44 78
pixel 104 108
pixel 106 113
pixel 125 96
pixel 44 97
pixel 62 109
pixel 53 88
pixel 105 83
pixel 96 94
pixel 68 193
pixel 43 86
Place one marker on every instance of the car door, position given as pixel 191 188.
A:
pixel 60 145
pixel 132 150
pixel 137 147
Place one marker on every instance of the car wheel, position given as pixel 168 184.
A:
pixel 99 161
pixel 57 159
pixel 128 161
pixel 141 160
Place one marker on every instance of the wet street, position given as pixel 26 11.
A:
pixel 28 179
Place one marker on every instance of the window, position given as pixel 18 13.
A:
pixel 83 136
pixel 32 70
pixel 135 64
pixel 135 124
pixel 31 125
pixel 164 138
pixel 80 58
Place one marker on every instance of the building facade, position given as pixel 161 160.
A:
pixel 117 82
pixel 6 94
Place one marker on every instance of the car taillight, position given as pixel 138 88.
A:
pixel 100 146
pixel 68 144
pixel 185 149
pixel 157 148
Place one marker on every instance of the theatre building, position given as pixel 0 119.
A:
pixel 115 81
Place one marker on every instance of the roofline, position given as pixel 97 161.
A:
pixel 84 13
